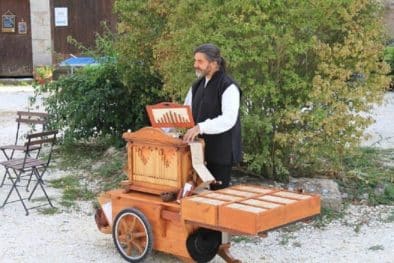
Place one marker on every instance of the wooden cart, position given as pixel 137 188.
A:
pixel 141 217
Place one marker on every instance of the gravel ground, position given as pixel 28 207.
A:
pixel 363 234
pixel 382 131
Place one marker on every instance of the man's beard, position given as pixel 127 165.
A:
pixel 199 74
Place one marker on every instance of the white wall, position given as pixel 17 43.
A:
pixel 41 32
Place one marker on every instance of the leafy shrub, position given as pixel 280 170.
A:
pixel 389 58
pixel 95 102
pixel 42 74
pixel 101 100
pixel 294 61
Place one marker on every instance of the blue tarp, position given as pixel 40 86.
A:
pixel 78 62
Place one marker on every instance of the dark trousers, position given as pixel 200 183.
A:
pixel 221 173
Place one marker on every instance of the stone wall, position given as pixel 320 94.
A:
pixel 41 32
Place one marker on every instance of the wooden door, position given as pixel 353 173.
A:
pixel 84 18
pixel 16 47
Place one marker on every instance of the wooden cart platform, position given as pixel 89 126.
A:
pixel 241 209
pixel 248 209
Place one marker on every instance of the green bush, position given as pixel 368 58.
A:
pixel 389 58
pixel 101 100
pixel 294 60
pixel 94 102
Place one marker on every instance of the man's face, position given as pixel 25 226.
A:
pixel 201 65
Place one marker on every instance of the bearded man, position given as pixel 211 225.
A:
pixel 215 100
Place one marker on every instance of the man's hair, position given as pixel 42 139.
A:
pixel 212 53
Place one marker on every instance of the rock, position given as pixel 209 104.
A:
pixel 111 151
pixel 97 165
pixel 379 189
pixel 327 189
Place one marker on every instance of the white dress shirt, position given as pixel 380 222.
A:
pixel 228 118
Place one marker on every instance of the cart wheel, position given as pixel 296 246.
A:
pixel 203 244
pixel 132 235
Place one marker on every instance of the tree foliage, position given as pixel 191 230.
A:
pixel 308 69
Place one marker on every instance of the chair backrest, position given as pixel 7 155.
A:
pixel 40 139
pixel 31 118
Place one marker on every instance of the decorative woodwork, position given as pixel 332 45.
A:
pixel 157 162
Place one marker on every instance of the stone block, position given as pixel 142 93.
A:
pixel 40 18
pixel 41 33
pixel 327 189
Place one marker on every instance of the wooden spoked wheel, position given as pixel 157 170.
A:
pixel 132 235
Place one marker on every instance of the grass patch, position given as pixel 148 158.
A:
pixel 39 199
pixel 292 228
pixel 326 216
pixel 15 82
pixel 111 173
pixel 48 210
pixel 369 173
pixel 64 182
pixel 107 172
pixel 376 247
pixel 390 218
pixel 296 244
pixel 238 239
pixel 78 155
pixel 357 228
pixel 72 190
pixel 67 203
pixel 285 239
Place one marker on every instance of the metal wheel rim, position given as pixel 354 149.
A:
pixel 127 246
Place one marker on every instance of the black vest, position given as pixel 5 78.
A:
pixel 223 148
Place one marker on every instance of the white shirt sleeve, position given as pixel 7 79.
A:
pixel 188 99
pixel 228 118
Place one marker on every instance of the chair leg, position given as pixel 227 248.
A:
pixel 14 186
pixel 28 182
pixel 31 175
pixel 12 154
pixel 2 181
pixel 5 154
pixel 40 183
pixel 5 174
pixel 37 183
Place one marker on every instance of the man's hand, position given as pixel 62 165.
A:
pixel 191 134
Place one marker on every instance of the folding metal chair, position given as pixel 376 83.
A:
pixel 31 119
pixel 29 165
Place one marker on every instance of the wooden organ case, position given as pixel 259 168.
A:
pixel 158 161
